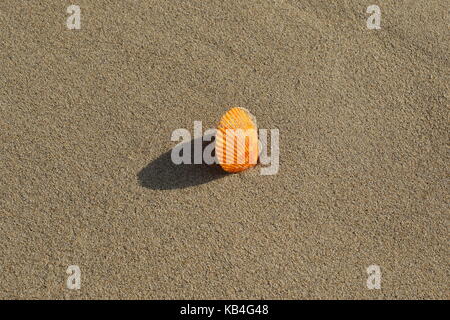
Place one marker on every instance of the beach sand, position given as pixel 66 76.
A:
pixel 86 179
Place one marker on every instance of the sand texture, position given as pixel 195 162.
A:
pixel 86 179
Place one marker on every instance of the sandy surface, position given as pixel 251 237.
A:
pixel 86 119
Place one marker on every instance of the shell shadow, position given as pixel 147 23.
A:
pixel 163 174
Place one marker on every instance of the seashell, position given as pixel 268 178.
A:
pixel 237 140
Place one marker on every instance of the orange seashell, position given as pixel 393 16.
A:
pixel 237 140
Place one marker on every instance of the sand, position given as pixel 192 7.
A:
pixel 86 178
